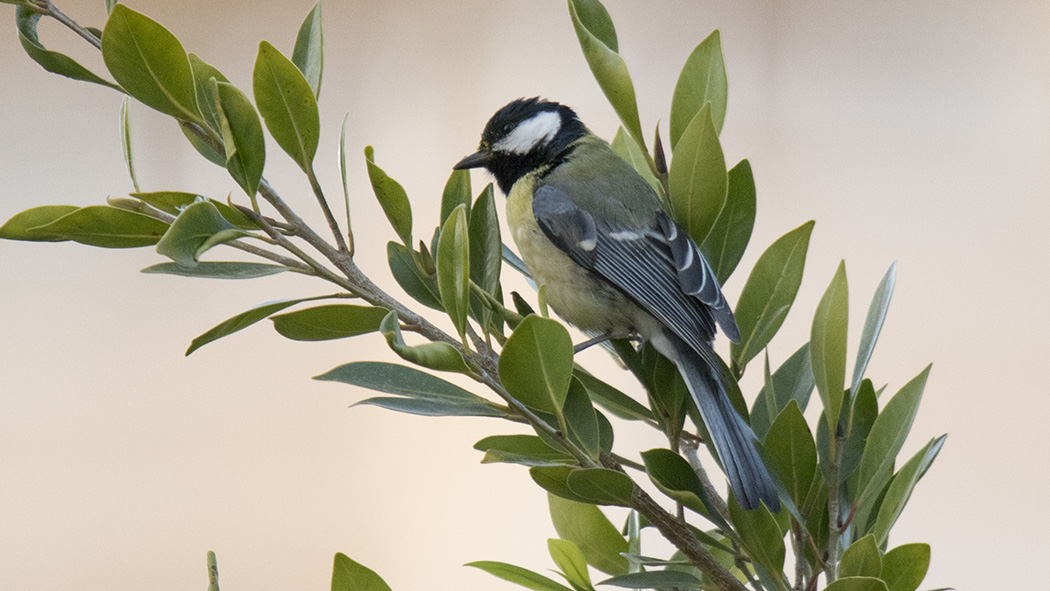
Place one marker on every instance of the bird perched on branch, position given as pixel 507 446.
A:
pixel 615 264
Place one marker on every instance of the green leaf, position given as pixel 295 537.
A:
pixel 554 479
pixel 865 407
pixel 125 141
pixel 676 479
pixel 793 380
pixel 308 54
pixel 437 355
pixel 601 486
pixel 660 579
pixel 217 270
pixel 597 37
pixel 698 180
pixel 174 202
pixel 345 179
pixel 23 225
pixel 486 253
pixel 857 584
pixel 828 345
pixel 904 567
pixel 242 137
pixel 332 321
pixel 581 419
pixel 205 149
pixel 100 225
pixel 392 198
pixel 725 243
pixel 761 535
pixel 884 443
pixel 527 450
pixel 457 192
pixel 348 575
pixel 610 398
pixel 203 72
pixel 453 268
pixel 199 227
pixel 244 320
pixel 417 392
pixel 901 487
pixel 536 364
pixel 150 63
pixel 630 151
pixel 790 451
pixel 410 277
pixel 571 562
pixel 586 526
pixel 287 105
pixel 768 294
pixel 880 304
pixel 861 559
pixel 26 20
pixel 518 575
pixel 702 81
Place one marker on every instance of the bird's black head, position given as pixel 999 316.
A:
pixel 523 136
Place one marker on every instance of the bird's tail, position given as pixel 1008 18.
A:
pixel 732 437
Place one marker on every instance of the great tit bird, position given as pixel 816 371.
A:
pixel 615 264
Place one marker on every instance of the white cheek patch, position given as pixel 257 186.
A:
pixel 541 128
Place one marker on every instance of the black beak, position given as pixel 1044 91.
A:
pixel 475 160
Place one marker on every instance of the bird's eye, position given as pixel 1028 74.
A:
pixel 507 127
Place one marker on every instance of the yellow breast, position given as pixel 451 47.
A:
pixel 576 294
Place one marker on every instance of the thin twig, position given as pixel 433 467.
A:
pixel 690 452
pixel 334 225
pixel 46 8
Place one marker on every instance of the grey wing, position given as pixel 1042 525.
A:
pixel 659 267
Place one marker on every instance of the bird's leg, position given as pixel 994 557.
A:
pixel 601 338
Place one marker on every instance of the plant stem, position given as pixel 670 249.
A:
pixel 689 451
pixel 45 7
pixel 834 521
pixel 334 225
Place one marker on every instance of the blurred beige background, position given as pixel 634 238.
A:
pixel 915 131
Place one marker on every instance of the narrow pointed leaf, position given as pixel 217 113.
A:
pixel 440 356
pixel 486 257
pixel 581 419
pixel 287 104
pixel 125 142
pixel 348 575
pixel 900 489
pixel 586 526
pixel 410 385
pixel 611 399
pixel 217 270
pixel 457 192
pixel 23 225
pixel 904 567
pixel 432 408
pixel 453 268
pixel 793 380
pixel 392 198
pixel 791 451
pixel 205 149
pixel 174 202
pixel 406 272
pixel 880 304
pixel 673 475
pixel 242 136
pixel 528 450
pixel 203 72
pixel 761 535
pixel 594 29
pixel 26 20
pixel 698 180
pixel 828 345
pixel 768 294
pixel 150 63
pixel 331 321
pixel 107 227
pixel 885 439
pixel 308 54
pixel 864 409
pixel 661 579
pixel 628 149
pixel 725 243
pixel 702 81
pixel 861 559
pixel 346 183
pixel 519 576
pixel 199 227
pixel 536 364
pixel 243 320
pixel 570 560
